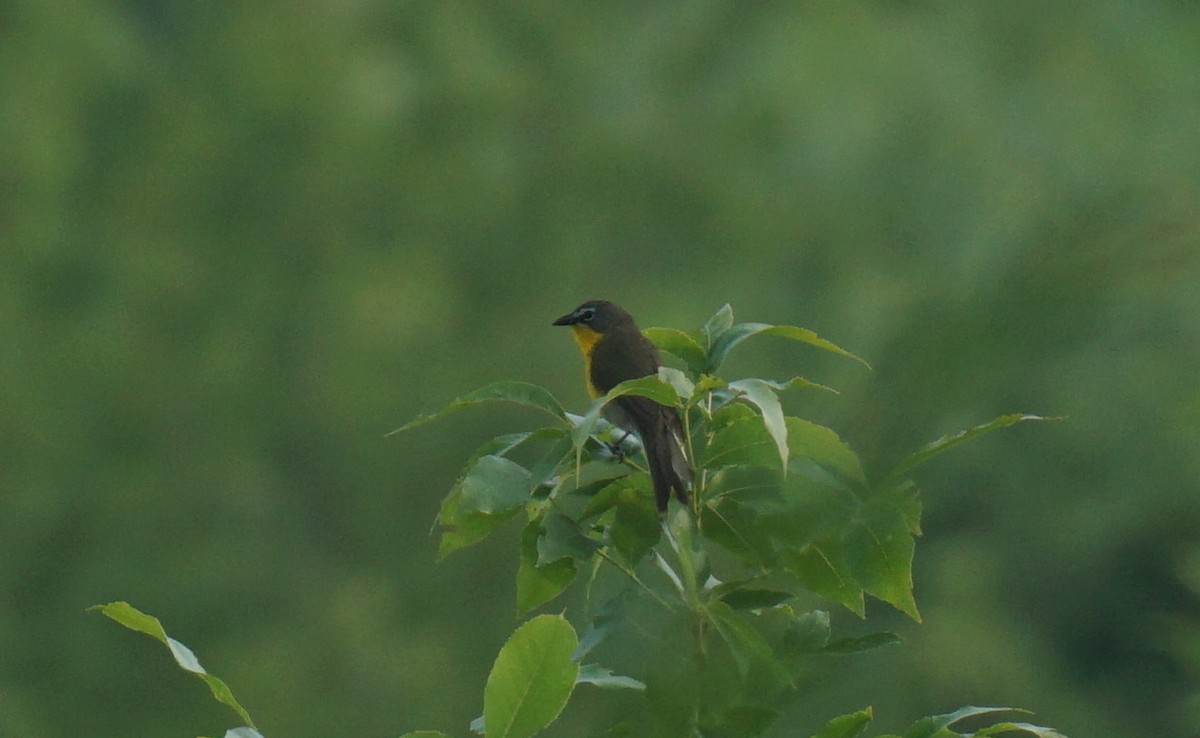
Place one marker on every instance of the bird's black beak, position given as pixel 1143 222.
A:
pixel 568 319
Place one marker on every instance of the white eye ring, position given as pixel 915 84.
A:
pixel 587 314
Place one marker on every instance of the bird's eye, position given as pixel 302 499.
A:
pixel 587 314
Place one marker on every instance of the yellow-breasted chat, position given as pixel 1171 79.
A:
pixel 615 350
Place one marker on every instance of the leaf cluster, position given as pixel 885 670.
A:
pixel 725 601
pixel 783 518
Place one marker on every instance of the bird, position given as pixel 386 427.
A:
pixel 614 350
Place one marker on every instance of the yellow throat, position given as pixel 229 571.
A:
pixel 587 339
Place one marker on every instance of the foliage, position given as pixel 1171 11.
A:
pixel 781 511
pixel 136 620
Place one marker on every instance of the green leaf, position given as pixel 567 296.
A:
pixel 846 726
pixel 754 599
pixel 610 615
pixel 1036 730
pixel 423 734
pixel 489 493
pixel 464 528
pixel 636 526
pixel 520 393
pixel 747 645
pixel 678 343
pixel 740 332
pixel 706 385
pixel 684 538
pixel 599 676
pixel 684 387
pixel 500 445
pixel 821 568
pixel 716 326
pixel 561 538
pixel 907 499
pixel 493 485
pixel 864 643
pixel 740 721
pixel 762 394
pixel 134 619
pixel 556 452
pixel 823 446
pixel 930 450
pixel 532 678
pixel 603 498
pixel 741 503
pixel 878 550
pixel 537 583
pixel 933 726
pixel 742 442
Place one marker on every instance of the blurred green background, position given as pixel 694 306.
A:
pixel 242 241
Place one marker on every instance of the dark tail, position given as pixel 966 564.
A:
pixel 669 469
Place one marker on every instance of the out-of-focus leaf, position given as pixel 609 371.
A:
pixel 930 450
pixel 521 393
pixel 864 643
pixel 715 327
pixel 934 725
pixel 539 583
pixel 754 599
pixel 532 678
pixel 807 632
pixel 599 676
pixel 134 619
pixel 846 726
pixel 419 734
pixel 1036 730
pixel 740 721
pixel 683 345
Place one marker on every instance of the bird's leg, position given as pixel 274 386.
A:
pixel 616 449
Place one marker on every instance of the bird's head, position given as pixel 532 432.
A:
pixel 593 319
